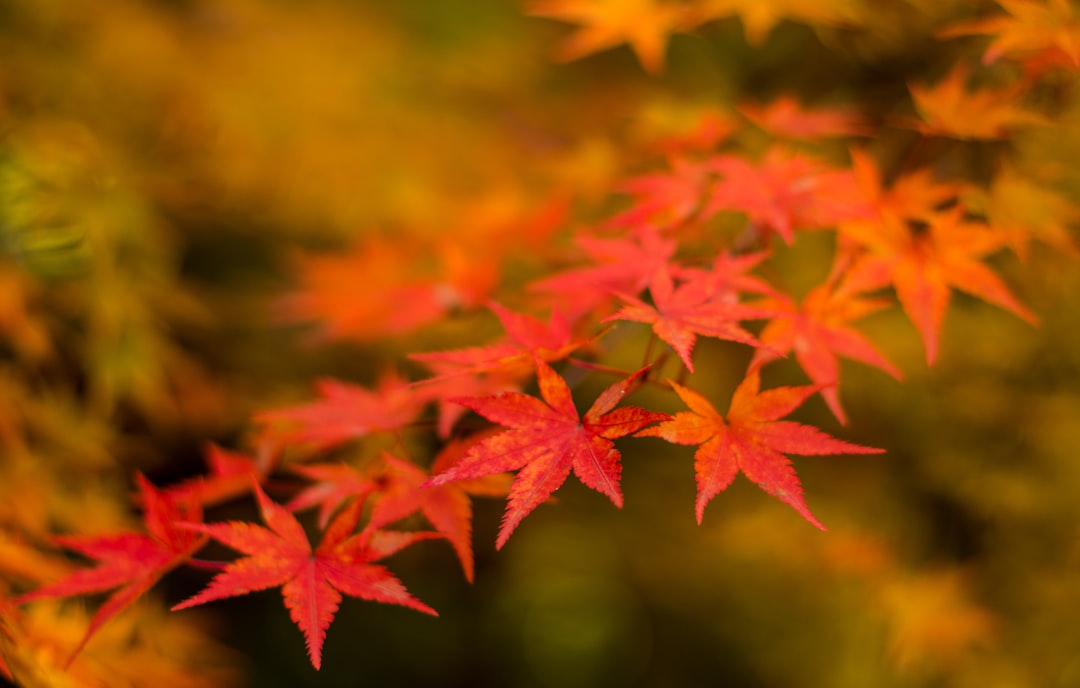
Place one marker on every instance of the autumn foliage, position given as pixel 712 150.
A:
pixel 253 270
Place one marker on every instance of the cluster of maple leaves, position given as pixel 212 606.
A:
pixel 664 261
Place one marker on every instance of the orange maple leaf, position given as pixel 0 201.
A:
pixel 752 440
pixel 949 109
pixel 1032 27
pixel 547 439
pixel 312 582
pixel 922 260
pixel 644 24
pixel 132 562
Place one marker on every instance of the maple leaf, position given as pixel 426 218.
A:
pixel 727 276
pixel 132 562
pixel 644 24
pixel 621 265
pixel 448 382
pixel 1037 27
pixel 788 118
pixel 347 411
pixel 760 16
pixel 818 331
pixel 312 582
pixel 681 313
pixel 334 484
pixel 527 338
pixel 752 440
pixel 949 109
pixel 365 294
pixel 230 474
pixel 398 489
pixel 912 196
pixel 667 197
pixel 784 192
pixel 547 439
pixel 403 491
pixel 922 260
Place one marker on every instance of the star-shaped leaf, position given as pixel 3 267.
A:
pixel 312 582
pixel 527 338
pixel 345 411
pixel 1031 27
pixel 681 313
pixel 132 562
pixel 644 24
pixel 948 108
pixel 923 260
pixel 818 331
pixel 547 440
pixel 752 441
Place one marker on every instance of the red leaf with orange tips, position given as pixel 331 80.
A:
pixel 547 440
pixel 132 562
pixel 752 441
pixel 312 581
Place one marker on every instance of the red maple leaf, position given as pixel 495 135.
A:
pixel 230 474
pixel 785 192
pixel 449 382
pixel 681 313
pixel 667 198
pixel 312 582
pixel 132 562
pixel 752 440
pixel 334 484
pixel 399 490
pixel 447 507
pixel 547 440
pixel 619 265
pixel 347 411
pixel 527 338
pixel 818 331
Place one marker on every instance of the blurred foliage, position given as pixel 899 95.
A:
pixel 179 180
